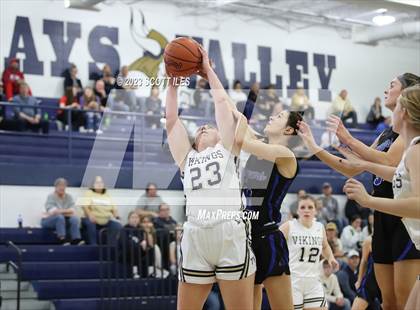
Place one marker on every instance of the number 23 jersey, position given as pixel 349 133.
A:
pixel 211 186
pixel 305 248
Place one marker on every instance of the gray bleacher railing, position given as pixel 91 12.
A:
pixel 137 269
pixel 140 120
pixel 18 269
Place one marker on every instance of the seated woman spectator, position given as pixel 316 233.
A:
pixel 71 79
pixel 267 102
pixel 375 116
pixel 70 101
pixel 333 240
pixel 100 212
pixel 343 108
pixel 351 236
pixel 236 93
pixel 60 210
pixel 300 102
pixel 28 117
pixel 153 107
pixel 91 103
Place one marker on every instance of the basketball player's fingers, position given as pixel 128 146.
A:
pixel 334 118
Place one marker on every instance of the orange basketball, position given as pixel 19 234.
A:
pixel 182 57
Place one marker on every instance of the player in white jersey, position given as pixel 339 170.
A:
pixel 307 240
pixel 215 245
pixel 405 180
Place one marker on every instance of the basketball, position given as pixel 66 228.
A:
pixel 182 57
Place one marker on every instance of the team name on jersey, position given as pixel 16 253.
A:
pixel 198 160
pixel 307 240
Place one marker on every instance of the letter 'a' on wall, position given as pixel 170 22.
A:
pixel 22 31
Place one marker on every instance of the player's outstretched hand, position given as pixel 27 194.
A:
pixel 206 64
pixel 305 133
pixel 336 126
pixel 356 191
pixel 334 264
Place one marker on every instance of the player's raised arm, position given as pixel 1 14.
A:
pixel 339 164
pixel 179 143
pixel 223 106
pixel 369 153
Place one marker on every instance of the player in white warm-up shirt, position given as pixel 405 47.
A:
pixel 406 187
pixel 307 240
pixel 215 244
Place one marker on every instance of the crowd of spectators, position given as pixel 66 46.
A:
pixel 87 103
pixel 150 238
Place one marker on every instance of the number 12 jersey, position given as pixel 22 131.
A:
pixel 305 249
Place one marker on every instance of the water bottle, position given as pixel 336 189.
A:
pixel 20 221
pixel 46 116
pixel 135 273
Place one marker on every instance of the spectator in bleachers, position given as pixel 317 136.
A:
pixel 332 289
pixel 270 99
pixel 71 79
pixel 139 251
pixel 202 98
pixel 91 103
pixel 121 100
pixel 330 209
pixel 347 275
pixel 375 116
pixel 342 107
pixel 175 250
pixel 29 117
pixel 351 237
pixel 236 93
pixel 122 75
pixel 153 107
pixel 383 125
pixel 294 205
pixel 100 211
pixel 60 211
pixel 108 78
pixel 70 101
pixel 155 265
pixel 165 227
pixel 300 102
pixel 148 203
pixel 333 240
pixel 368 229
pixel 11 78
pixel 164 220
pixel 100 92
